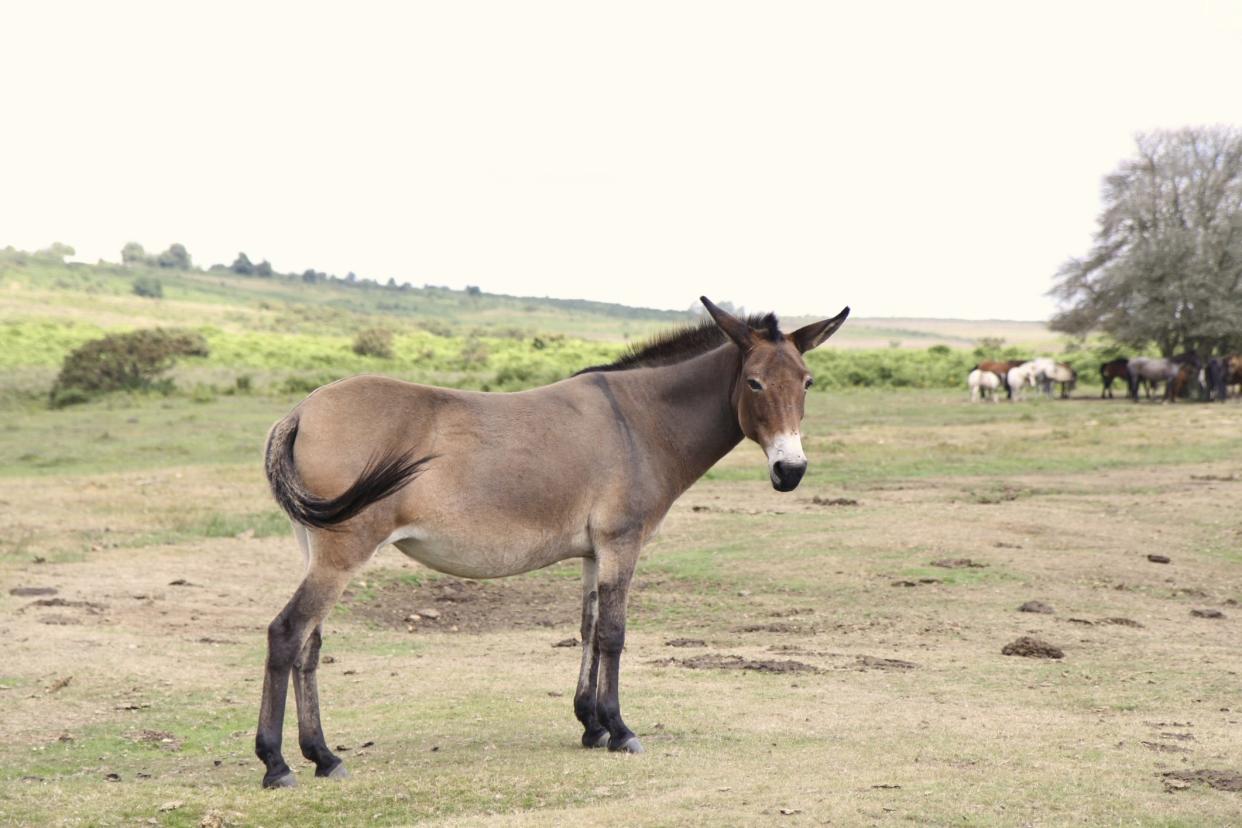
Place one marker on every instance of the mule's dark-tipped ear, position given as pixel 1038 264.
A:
pixel 813 335
pixel 734 328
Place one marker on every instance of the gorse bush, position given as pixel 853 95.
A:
pixel 148 286
pixel 376 342
pixel 131 361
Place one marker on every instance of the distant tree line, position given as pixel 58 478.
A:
pixel 1166 264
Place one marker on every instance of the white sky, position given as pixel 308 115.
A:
pixel 908 159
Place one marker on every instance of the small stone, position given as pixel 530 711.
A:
pixel 1160 559
pixel 1036 606
pixel 172 805
pixel 433 614
pixel 1207 613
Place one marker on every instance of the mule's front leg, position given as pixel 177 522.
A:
pixel 594 734
pixel 614 584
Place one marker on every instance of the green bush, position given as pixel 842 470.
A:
pixel 130 361
pixel 376 342
pixel 148 286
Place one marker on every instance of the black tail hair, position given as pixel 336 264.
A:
pixel 381 477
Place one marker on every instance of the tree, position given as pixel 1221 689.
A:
pixel 176 257
pixel 242 265
pixel 1166 264
pixel 57 251
pixel 133 254
pixel 264 269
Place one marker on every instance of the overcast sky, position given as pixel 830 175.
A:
pixel 909 159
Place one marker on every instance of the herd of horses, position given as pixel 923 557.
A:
pixel 1175 373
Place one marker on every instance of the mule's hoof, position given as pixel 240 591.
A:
pixel 630 745
pixel 287 780
pixel 589 741
pixel 338 772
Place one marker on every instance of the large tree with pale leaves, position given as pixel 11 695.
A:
pixel 1166 264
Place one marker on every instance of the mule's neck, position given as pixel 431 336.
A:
pixel 688 412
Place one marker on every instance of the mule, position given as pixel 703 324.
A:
pixel 485 485
pixel 1161 369
pixel 983 384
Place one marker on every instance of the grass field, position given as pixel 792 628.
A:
pixel 832 672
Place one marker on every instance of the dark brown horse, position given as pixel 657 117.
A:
pixel 1115 369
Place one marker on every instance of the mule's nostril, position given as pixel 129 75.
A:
pixel 787 475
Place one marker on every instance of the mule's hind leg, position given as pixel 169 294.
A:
pixel 329 571
pixel 594 734
pixel 306 691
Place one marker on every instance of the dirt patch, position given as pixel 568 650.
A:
pixel 30 592
pixel 1036 606
pixel 89 606
pixel 919 582
pixel 777 627
pixel 834 501
pixel 866 662
pixel 685 642
pixel 1221 780
pixel 1028 647
pixel 567 642
pixel 1207 613
pixel 1123 622
pixel 456 605
pixel 715 661
pixel 161 739
pixel 958 563
pixel 1161 747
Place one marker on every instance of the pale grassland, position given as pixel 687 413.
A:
pixel 1061 501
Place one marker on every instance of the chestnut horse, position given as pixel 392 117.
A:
pixel 484 485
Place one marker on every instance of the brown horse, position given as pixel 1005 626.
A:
pixel 1001 369
pixel 1115 369
pixel 486 485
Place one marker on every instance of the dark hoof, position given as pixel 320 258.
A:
pixel 630 745
pixel 337 771
pixel 285 780
pixel 595 740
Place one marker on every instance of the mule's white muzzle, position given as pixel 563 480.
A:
pixel 786 461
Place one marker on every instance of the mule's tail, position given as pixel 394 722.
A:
pixel 381 477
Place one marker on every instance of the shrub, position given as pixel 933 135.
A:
pixel 149 286
pixel 130 361
pixel 376 342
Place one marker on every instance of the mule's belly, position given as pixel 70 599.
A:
pixel 476 556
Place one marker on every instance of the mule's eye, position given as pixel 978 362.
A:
pixel 755 385
pixel 810 381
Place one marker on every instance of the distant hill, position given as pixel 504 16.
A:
pixel 102 295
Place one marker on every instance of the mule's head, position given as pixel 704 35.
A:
pixel 770 397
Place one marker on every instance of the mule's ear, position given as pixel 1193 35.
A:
pixel 813 335
pixel 734 328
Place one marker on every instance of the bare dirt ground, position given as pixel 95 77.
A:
pixel 791 659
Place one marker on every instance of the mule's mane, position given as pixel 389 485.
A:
pixel 680 344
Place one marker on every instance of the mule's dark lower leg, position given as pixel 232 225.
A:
pixel 286 637
pixel 593 733
pixel 306 689
pixel 610 640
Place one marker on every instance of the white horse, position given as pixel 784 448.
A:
pixel 1026 374
pixel 1050 371
pixel 983 384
